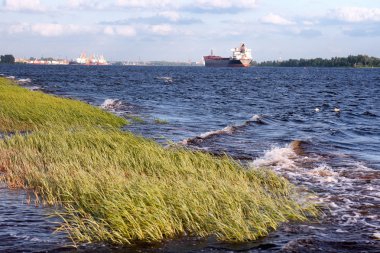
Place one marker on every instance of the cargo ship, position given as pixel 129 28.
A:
pixel 241 57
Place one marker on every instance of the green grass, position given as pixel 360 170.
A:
pixel 160 121
pixel 136 119
pixel 115 187
pixel 21 110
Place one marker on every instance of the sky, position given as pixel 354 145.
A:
pixel 185 30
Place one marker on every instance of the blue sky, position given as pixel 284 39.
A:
pixel 187 30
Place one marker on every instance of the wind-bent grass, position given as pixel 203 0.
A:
pixel 119 188
pixel 160 121
pixel 21 110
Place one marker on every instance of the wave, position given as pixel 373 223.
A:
pixel 203 136
pixel 230 129
pixel 348 192
pixel 119 107
pixel 324 174
pixel 33 88
pixel 258 119
pixel 24 80
pixel 368 113
pixel 280 157
pixel 166 79
pixel 111 104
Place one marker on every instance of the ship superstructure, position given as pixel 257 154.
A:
pixel 241 57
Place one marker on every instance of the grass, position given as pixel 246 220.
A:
pixel 160 121
pixel 136 119
pixel 22 110
pixel 119 188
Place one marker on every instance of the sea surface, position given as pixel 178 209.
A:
pixel 318 127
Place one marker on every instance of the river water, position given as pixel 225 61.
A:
pixel 318 127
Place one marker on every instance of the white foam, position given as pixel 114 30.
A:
pixel 32 88
pixel 376 235
pixel 334 185
pixel 110 104
pixel 256 118
pixel 166 79
pixel 226 130
pixel 282 158
pixel 350 219
pixel 24 80
pixel 11 77
pixel 333 205
pixel 324 173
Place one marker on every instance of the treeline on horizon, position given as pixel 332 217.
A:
pixel 359 61
pixel 8 59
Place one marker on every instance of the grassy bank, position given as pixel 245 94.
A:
pixel 22 110
pixel 119 188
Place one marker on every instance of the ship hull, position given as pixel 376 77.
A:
pixel 223 62
pixel 240 63
pixel 226 62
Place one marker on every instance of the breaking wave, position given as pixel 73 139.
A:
pixel 347 193
pixel 111 104
pixel 24 80
pixel 258 119
pixel 226 130
pixel 33 88
pixel 165 79
pixel 119 107
pixel 279 157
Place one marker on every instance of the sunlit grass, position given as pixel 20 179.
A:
pixel 21 110
pixel 120 188
pixel 160 121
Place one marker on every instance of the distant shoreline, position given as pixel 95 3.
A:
pixel 358 61
pixel 351 61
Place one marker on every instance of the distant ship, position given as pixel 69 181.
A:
pixel 241 57
pixel 92 60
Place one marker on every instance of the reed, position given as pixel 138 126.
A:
pixel 119 188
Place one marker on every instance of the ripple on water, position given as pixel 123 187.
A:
pixel 25 227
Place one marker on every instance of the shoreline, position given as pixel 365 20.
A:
pixel 79 154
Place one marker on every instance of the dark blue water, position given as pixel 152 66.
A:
pixel 320 128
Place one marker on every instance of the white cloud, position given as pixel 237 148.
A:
pixel 171 15
pixel 225 4
pixel 50 29
pixel 109 30
pixel 86 4
pixel 309 23
pixel 18 28
pixel 144 3
pixel 163 29
pixel 355 14
pixel 23 5
pixel 126 31
pixel 275 19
